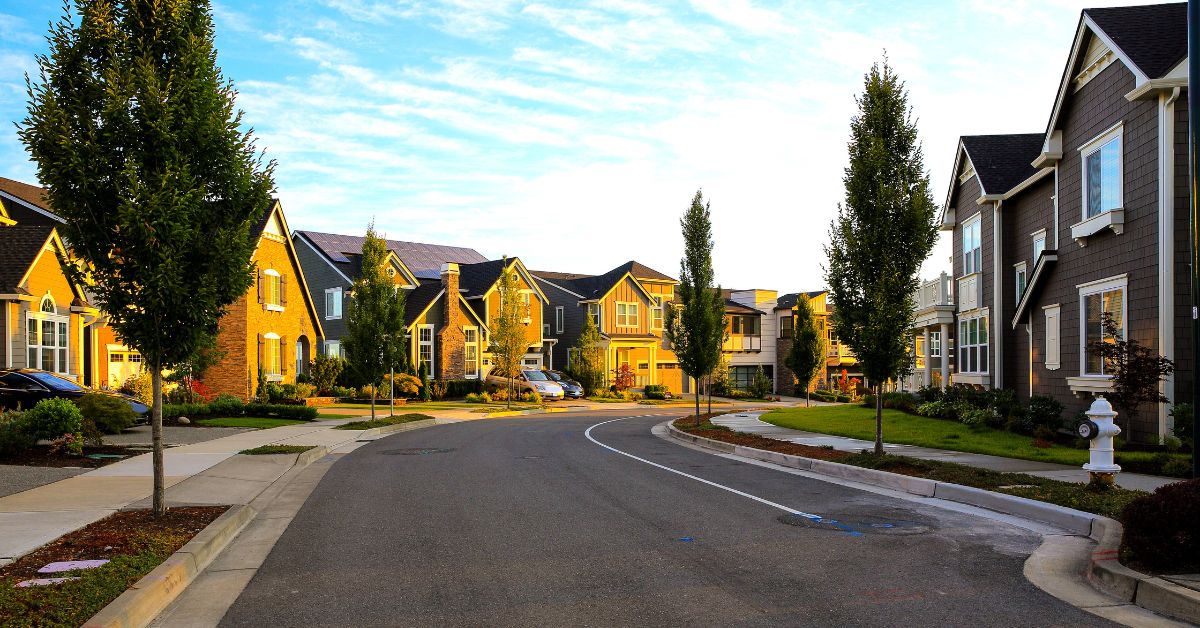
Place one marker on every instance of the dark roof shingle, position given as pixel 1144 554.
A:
pixel 788 301
pixel 424 260
pixel 1003 161
pixel 1153 36
pixel 19 247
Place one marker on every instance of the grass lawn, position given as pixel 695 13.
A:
pixel 257 423
pixel 855 421
pixel 383 421
pixel 266 450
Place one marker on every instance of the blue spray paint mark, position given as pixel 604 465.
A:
pixel 849 531
pixel 882 525
pixel 687 539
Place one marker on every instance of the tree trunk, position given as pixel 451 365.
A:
pixel 372 403
pixel 160 486
pixel 708 392
pixel 696 382
pixel 879 420
pixel 512 383
pixel 807 398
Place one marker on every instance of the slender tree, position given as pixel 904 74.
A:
pixel 509 341
pixel 588 363
pixel 806 355
pixel 140 149
pixel 374 339
pixel 883 232
pixel 697 330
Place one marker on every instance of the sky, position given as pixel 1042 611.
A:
pixel 574 135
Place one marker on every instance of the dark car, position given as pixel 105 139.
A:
pixel 23 388
pixel 571 388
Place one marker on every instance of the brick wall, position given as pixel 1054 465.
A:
pixel 449 359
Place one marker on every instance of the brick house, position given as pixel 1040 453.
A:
pixel 275 325
pixel 1052 230
pixel 628 305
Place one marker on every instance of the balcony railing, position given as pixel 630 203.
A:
pixel 934 293
pixel 743 343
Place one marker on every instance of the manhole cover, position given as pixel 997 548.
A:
pixel 857 525
pixel 416 451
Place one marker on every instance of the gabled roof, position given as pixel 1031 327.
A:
pixel 26 203
pixel 641 271
pixel 419 299
pixel 476 280
pixel 29 193
pixel 596 286
pixel 738 308
pixel 788 301
pixel 276 209
pixel 20 246
pixel 424 260
pixel 1153 37
pixel 1003 161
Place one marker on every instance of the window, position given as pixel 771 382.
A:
pixel 972 253
pixel 596 311
pixel 333 303
pixel 425 348
pixel 656 313
pixel 1039 244
pixel 333 348
pixel 1102 173
pixel 47 338
pixel 1098 299
pixel 919 351
pixel 1021 279
pixel 116 357
pixel 785 326
pixel 973 344
pixel 559 316
pixel 627 314
pixel 272 288
pixel 534 363
pixel 525 303
pixel 743 325
pixel 272 363
pixel 1053 317
pixel 135 357
pixel 935 344
pixel 471 352
pixel 741 377
pixel 545 329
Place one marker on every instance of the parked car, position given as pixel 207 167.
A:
pixel 528 380
pixel 571 388
pixel 23 388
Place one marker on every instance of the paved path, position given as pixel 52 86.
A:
pixel 528 522
pixel 750 422
pixel 16 478
pixel 172 435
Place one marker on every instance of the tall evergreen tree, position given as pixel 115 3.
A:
pixel 374 339
pixel 883 232
pixel 509 341
pixel 139 146
pixel 588 364
pixel 697 331
pixel 806 355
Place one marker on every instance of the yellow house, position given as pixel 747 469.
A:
pixel 838 356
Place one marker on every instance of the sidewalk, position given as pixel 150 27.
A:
pixel 750 423
pixel 204 473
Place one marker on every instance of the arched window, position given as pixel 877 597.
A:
pixel 48 304
pixel 47 338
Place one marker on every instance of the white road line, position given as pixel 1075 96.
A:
pixel 793 511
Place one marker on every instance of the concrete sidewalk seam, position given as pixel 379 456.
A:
pixel 1115 579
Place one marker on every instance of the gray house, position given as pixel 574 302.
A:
pixel 332 263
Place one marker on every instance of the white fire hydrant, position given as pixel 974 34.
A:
pixel 1100 430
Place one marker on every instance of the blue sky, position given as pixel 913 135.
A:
pixel 574 134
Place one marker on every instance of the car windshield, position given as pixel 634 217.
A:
pixel 536 376
pixel 53 382
pixel 554 376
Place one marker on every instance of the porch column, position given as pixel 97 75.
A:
pixel 945 342
pixel 928 363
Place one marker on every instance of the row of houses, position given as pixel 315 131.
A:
pixel 1054 229
pixel 296 309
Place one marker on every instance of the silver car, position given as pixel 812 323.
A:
pixel 529 380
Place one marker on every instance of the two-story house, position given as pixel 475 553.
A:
pixel 1054 230
pixel 749 318
pixel 628 305
pixel 838 356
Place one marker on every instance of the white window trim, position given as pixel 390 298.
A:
pixel 56 319
pixel 631 309
pixel 1053 362
pixel 335 343
pixel 432 348
pixel 961 343
pixel 268 338
pixel 658 305
pixel 560 316
pixel 1099 286
pixel 1018 269
pixel 273 307
pixel 599 314
pixel 338 300
pixel 967 224
pixel 1040 234
pixel 1114 218
pixel 466 344
pixel 935 344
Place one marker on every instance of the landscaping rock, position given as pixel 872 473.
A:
pixel 184 420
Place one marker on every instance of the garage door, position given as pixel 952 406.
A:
pixel 671 376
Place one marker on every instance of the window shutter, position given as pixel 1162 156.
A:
pixel 260 353
pixel 1053 345
pixel 261 287
pixel 283 357
pixel 283 290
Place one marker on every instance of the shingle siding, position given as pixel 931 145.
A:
pixel 1183 292
pixel 1022 215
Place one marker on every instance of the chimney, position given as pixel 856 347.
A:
pixel 453 315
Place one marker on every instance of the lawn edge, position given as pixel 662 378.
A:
pixel 1103 570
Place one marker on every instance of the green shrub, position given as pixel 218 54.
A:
pixel 323 371
pixel 110 415
pixel 226 405
pixel 139 386
pixel 937 410
pixel 1178 468
pixel 1045 411
pixel 172 411
pixel 1183 423
pixel 929 394
pixel 478 398
pixel 343 392
pixel 760 386
pixel 281 411
pixel 14 433
pixel 823 395
pixel 1160 529
pixel 52 418
pixel 655 391
pixel 459 388
pixel 976 417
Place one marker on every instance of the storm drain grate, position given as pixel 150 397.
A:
pixel 416 451
pixel 857 525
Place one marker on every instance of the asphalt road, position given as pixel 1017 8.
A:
pixel 526 522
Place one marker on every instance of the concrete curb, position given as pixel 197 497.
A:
pixel 141 603
pixel 1104 570
pixel 399 427
pixel 504 413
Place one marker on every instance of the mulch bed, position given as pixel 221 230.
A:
pixel 114 536
pixel 40 456
pixel 716 432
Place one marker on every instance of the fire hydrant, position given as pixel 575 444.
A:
pixel 1100 430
